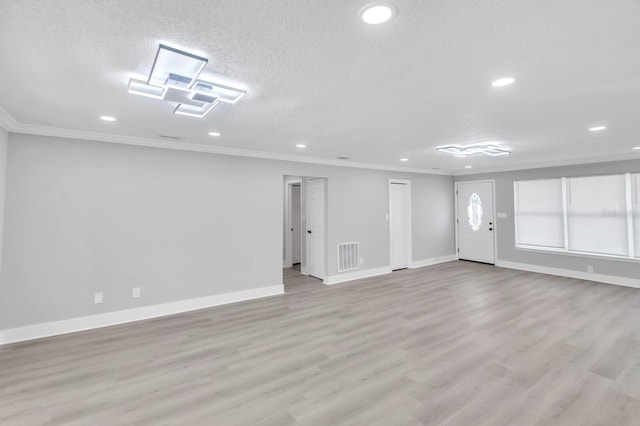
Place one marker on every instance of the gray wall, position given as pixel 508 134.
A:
pixel 506 228
pixel 4 141
pixel 85 216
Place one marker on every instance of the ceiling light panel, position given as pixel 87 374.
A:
pixel 174 78
pixel 475 150
pixel 503 82
pixel 175 67
pixel 376 13
pixel 220 91
pixel 139 87
pixel 195 111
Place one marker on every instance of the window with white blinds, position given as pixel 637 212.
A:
pixel 597 215
pixel 539 213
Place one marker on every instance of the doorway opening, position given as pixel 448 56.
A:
pixel 400 224
pixel 304 230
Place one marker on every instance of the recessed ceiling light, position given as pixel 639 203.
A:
pixel 597 128
pixel 637 148
pixel 108 118
pixel 300 145
pixel 503 82
pixel 377 13
pixel 404 159
pixel 214 134
pixel 468 167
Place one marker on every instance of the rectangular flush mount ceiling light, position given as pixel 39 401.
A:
pixel 174 78
pixel 474 150
pixel 195 111
pixel 173 67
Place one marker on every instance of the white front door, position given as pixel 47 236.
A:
pixel 315 227
pixel 399 224
pixel 475 221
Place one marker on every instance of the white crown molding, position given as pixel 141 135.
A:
pixel 7 122
pixel 547 164
pixel 91 322
pixel 11 125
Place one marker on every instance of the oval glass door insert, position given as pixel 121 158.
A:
pixel 474 211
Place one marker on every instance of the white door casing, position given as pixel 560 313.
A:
pixel 315 232
pixel 290 183
pixel 475 221
pixel 296 223
pixel 399 223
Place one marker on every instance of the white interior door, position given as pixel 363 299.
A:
pixel 475 221
pixel 315 227
pixel 295 224
pixel 399 224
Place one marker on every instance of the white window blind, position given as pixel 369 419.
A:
pixel 597 215
pixel 635 203
pixel 539 213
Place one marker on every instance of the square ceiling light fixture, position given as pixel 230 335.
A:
pixel 474 150
pixel 174 77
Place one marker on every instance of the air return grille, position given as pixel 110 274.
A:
pixel 348 256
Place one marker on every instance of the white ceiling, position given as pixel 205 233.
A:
pixel 317 74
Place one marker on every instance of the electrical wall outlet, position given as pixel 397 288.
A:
pixel 98 297
pixel 590 269
pixel 136 292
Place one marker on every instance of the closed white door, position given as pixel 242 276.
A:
pixel 315 227
pixel 399 225
pixel 475 221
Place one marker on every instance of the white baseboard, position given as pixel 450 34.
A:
pixel 607 279
pixel 433 261
pixel 55 328
pixel 356 275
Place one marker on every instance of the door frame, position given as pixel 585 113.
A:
pixel 495 224
pixel 304 266
pixel 288 241
pixel 408 230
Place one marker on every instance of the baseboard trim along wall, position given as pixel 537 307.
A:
pixel 356 275
pixel 72 325
pixel 607 279
pixel 433 261
pixel 368 273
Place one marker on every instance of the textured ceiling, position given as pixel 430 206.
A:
pixel 318 75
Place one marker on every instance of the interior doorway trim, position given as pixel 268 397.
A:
pixel 495 224
pixel 288 260
pixel 408 230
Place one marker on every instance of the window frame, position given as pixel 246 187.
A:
pixel 631 257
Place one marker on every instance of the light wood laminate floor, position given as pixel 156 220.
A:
pixel 453 344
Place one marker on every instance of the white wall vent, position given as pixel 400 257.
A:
pixel 348 256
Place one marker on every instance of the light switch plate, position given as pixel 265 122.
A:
pixel 98 297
